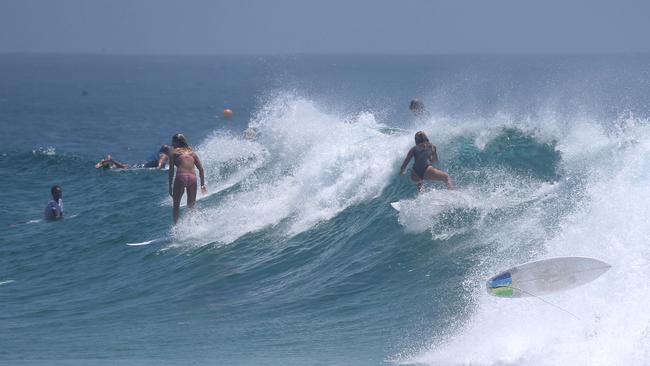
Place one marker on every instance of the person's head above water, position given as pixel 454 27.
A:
pixel 179 140
pixel 165 149
pixel 421 137
pixel 57 192
pixel 417 107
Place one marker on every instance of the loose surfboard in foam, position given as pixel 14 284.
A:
pixel 546 276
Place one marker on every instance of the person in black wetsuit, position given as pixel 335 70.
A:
pixel 159 159
pixel 425 154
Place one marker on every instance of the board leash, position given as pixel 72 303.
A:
pixel 549 303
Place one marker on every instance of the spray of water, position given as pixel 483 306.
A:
pixel 304 167
pixel 600 211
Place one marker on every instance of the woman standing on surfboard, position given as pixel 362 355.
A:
pixel 185 160
pixel 425 154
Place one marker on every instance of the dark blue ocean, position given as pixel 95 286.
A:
pixel 295 256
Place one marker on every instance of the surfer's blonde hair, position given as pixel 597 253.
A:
pixel 179 140
pixel 421 137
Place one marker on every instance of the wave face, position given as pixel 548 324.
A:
pixel 295 256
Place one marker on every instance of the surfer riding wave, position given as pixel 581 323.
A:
pixel 185 160
pixel 425 155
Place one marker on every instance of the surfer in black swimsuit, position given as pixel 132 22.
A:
pixel 425 154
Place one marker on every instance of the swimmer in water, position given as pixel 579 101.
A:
pixel 185 160
pixel 425 154
pixel 417 108
pixel 54 209
pixel 109 163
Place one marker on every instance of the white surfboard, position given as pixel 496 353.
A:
pixel 546 276
pixel 163 240
pixel 395 205
pixel 439 198
pixel 36 221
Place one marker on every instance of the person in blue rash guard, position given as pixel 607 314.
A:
pixel 425 154
pixel 54 209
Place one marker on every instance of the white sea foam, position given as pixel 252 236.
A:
pixel 428 210
pixel 49 151
pixel 227 160
pixel 609 220
pixel 315 164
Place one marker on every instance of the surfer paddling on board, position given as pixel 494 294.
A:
pixel 109 163
pixel 54 209
pixel 159 160
pixel 185 160
pixel 425 154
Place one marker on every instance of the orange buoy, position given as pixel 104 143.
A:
pixel 227 113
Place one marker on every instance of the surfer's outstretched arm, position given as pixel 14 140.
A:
pixel 408 158
pixel 164 156
pixel 102 164
pixel 199 166
pixel 162 161
pixel 117 163
pixel 434 154
pixel 171 174
pixel 106 163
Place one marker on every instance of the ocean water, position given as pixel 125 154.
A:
pixel 296 257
